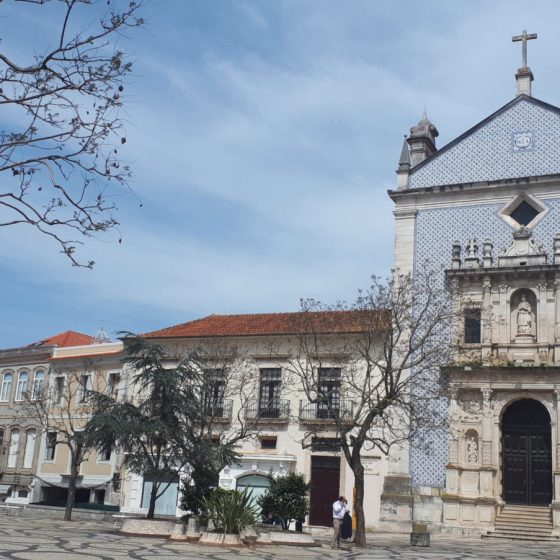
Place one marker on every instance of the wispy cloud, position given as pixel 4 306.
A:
pixel 263 138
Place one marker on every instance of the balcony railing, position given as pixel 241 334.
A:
pixel 219 410
pixel 277 409
pixel 323 412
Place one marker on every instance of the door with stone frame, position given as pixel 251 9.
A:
pixel 527 454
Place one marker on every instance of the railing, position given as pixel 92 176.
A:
pixel 219 410
pixel 343 410
pixel 277 409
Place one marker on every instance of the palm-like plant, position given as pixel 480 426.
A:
pixel 231 511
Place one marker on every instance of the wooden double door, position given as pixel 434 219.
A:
pixel 527 454
pixel 325 482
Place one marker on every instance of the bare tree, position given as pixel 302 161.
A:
pixel 358 365
pixel 59 150
pixel 63 410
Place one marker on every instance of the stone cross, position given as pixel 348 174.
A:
pixel 524 37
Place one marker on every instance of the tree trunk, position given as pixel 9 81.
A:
pixel 74 469
pixel 360 532
pixel 153 497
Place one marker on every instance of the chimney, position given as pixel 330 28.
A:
pixel 422 140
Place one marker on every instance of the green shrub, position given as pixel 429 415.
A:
pixel 286 499
pixel 231 511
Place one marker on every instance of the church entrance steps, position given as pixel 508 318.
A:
pixel 526 523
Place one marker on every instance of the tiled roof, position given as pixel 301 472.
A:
pixel 261 324
pixel 68 338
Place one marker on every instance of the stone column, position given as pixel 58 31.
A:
pixel 487 426
pixel 503 314
pixel 556 445
pixel 541 319
pixel 557 318
pixel 486 320
pixel 487 468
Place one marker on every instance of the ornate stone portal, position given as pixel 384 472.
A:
pixel 513 356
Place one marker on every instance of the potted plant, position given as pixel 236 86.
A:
pixel 230 512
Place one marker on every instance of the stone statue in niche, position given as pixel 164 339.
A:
pixel 525 317
pixel 472 450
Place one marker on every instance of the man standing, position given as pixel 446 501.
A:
pixel 339 508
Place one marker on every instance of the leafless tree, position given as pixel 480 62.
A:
pixel 59 148
pixel 63 410
pixel 359 364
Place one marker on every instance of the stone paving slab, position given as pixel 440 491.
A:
pixel 51 539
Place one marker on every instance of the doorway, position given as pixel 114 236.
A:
pixel 325 480
pixel 527 454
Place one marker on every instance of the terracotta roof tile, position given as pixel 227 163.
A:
pixel 262 324
pixel 68 338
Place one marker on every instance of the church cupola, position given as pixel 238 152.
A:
pixel 422 140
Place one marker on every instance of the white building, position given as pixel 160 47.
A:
pixel 291 434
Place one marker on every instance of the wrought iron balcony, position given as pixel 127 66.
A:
pixel 276 409
pixel 326 412
pixel 219 410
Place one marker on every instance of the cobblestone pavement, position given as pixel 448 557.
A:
pixel 30 538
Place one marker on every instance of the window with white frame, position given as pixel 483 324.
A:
pixel 50 446
pixel 105 453
pixel 58 389
pixel 85 387
pixel 113 385
pixel 14 447
pixel 38 385
pixel 30 439
pixel 21 385
pixel 6 386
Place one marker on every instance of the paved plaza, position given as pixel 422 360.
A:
pixel 32 538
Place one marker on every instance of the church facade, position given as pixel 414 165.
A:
pixel 485 209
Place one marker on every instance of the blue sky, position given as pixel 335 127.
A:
pixel 263 138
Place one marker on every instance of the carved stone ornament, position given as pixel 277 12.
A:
pixel 470 405
pixel 523 251
pixel 453 451
pixel 487 452
pixel 472 450
pixel 486 401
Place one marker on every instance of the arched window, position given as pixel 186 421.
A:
pixel 13 450
pixel 6 387
pixel 256 483
pixel 29 448
pixel 21 385
pixel 38 384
